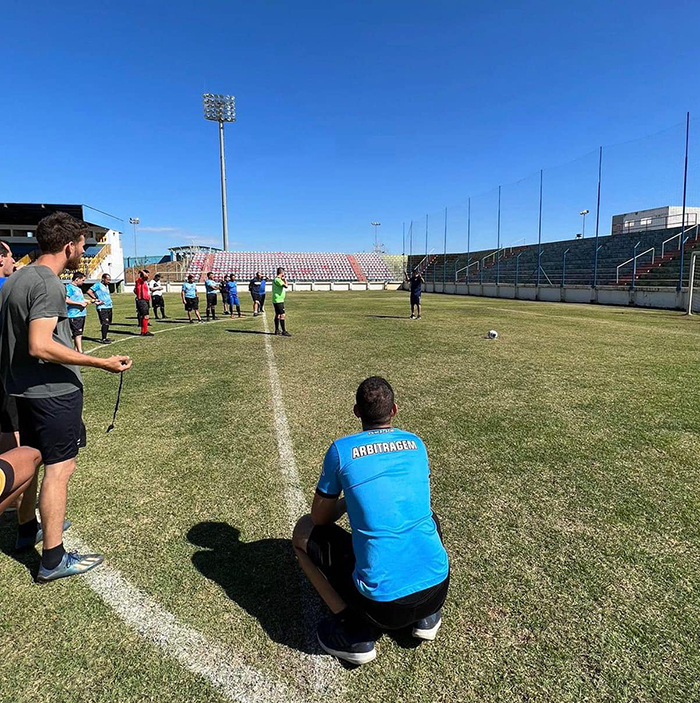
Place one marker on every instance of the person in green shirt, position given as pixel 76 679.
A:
pixel 279 291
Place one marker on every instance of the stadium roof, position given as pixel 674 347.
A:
pixel 192 248
pixel 30 213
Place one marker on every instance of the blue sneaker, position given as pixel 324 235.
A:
pixel 426 629
pixel 27 542
pixel 353 643
pixel 71 565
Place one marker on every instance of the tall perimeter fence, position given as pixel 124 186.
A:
pixel 554 228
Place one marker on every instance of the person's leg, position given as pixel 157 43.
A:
pixel 277 323
pixel 418 306
pixel 79 343
pixel 300 539
pixel 104 327
pixel 52 503
pixel 23 463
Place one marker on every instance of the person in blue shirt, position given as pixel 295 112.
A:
pixel 416 282
pixel 101 297
pixel 232 294
pixel 211 286
pixel 76 304
pixel 262 294
pixel 190 299
pixel 392 571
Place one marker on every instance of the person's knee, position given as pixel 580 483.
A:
pixel 62 471
pixel 302 532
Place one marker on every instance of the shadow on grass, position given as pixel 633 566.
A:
pixel 261 577
pixel 123 332
pixel 8 534
pixel 269 334
pixel 390 317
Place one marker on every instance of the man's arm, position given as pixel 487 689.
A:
pixel 324 511
pixel 93 297
pixel 43 346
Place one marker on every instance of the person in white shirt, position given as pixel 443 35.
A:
pixel 157 289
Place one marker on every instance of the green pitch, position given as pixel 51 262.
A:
pixel 565 470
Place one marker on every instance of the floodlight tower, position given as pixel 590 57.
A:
pixel 376 241
pixel 221 108
pixel 134 221
pixel 583 214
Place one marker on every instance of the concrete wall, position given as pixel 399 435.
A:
pixel 657 297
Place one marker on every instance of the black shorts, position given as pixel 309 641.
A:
pixel 142 307
pixel 330 548
pixel 7 479
pixel 77 326
pixel 9 422
pixel 211 300
pixel 415 299
pixel 279 308
pixel 157 302
pixel 54 426
pixel 105 315
pixel 191 304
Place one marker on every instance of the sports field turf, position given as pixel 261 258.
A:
pixel 565 469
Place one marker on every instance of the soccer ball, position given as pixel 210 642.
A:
pixel 493 334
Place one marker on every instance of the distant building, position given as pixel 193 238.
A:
pixel 667 217
pixel 186 252
pixel 103 248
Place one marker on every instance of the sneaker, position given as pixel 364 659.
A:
pixel 255 314
pixel 286 334
pixel 27 542
pixel 418 318
pixel 413 317
pixel 191 322
pixel 350 642
pixel 426 629
pixel 105 341
pixel 71 565
pixel 147 334
pixel 201 322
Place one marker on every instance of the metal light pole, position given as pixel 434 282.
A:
pixel 376 240
pixel 134 221
pixel 221 108
pixel 583 214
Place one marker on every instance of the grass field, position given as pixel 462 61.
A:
pixel 565 469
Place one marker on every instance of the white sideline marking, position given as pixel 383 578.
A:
pixel 222 668
pixel 324 670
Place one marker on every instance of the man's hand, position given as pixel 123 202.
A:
pixel 116 364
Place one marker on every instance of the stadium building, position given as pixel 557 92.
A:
pixel 103 248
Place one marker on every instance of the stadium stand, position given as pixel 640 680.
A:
pixel 519 264
pixel 300 266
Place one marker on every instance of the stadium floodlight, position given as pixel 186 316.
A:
pixel 376 241
pixel 221 108
pixel 583 214
pixel 134 221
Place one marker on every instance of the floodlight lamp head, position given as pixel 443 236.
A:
pixel 219 108
pixel 376 224
pixel 583 212
pixel 134 220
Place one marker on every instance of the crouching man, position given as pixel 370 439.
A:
pixel 392 572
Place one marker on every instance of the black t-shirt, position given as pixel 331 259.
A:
pixel 254 286
pixel 416 284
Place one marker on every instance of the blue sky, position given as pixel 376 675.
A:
pixel 347 113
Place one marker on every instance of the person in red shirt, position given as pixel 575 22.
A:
pixel 143 300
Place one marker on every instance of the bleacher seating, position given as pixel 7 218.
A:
pixel 374 267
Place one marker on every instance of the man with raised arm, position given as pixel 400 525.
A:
pixel 392 572
pixel 39 368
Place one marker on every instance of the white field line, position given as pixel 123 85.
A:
pixel 324 675
pixel 224 670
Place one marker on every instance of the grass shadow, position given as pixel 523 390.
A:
pixel 8 535
pixel 269 334
pixel 255 575
pixel 390 317
pixel 123 332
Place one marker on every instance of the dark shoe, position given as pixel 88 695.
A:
pixel 352 642
pixel 426 629
pixel 105 341
pixel 286 334
pixel 147 334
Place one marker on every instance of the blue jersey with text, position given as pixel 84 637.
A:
pixel 2 281
pixel 190 290
pixel 232 287
pixel 102 293
pixel 262 287
pixel 211 286
pixel 75 294
pixel 384 475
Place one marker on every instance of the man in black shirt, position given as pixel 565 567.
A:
pixel 254 288
pixel 416 281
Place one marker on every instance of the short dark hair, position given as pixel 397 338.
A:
pixel 375 399
pixel 280 269
pixel 210 273
pixel 5 248
pixel 77 275
pixel 58 229
pixel 157 276
pixel 106 275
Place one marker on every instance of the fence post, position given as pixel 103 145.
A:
pixel 597 219
pixel 634 264
pixel 539 232
pixel 444 256
pixel 481 270
pixel 685 188
pixel 469 231
pixel 498 240
pixel 563 267
pixel 517 268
